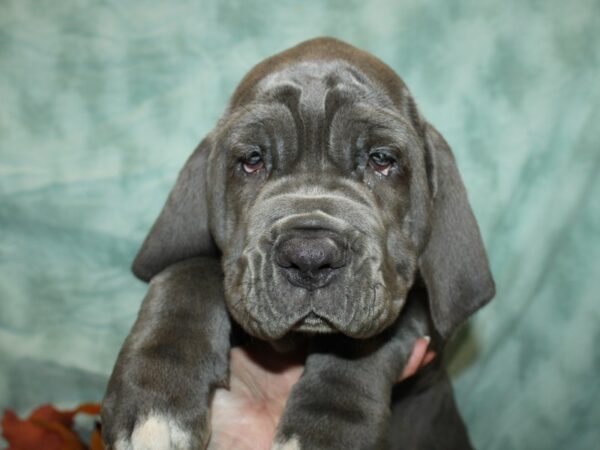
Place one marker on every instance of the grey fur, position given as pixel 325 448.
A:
pixel 390 258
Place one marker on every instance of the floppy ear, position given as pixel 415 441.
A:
pixel 181 230
pixel 453 264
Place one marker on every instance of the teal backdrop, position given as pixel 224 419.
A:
pixel 102 101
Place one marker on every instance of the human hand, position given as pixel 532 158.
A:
pixel 245 416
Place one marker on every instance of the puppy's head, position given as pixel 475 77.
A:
pixel 327 194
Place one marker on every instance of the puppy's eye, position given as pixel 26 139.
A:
pixel 252 163
pixel 381 162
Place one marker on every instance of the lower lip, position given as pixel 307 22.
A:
pixel 314 324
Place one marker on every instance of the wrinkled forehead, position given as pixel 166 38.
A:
pixel 307 96
pixel 318 86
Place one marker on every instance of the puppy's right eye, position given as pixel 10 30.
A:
pixel 381 162
pixel 252 163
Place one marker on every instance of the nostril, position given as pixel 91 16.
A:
pixel 309 261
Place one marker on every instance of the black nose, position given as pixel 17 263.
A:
pixel 310 261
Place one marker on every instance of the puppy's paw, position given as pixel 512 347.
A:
pixel 320 415
pixel 156 432
pixel 137 423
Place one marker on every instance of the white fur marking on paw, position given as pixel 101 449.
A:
pixel 158 432
pixel 292 444
pixel 122 444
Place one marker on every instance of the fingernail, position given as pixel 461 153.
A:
pixel 427 338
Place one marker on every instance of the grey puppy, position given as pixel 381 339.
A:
pixel 322 208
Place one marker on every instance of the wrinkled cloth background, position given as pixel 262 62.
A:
pixel 102 101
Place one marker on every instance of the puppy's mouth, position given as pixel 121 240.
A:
pixel 313 323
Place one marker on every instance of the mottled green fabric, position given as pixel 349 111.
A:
pixel 102 101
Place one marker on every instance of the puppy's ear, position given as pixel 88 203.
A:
pixel 453 264
pixel 181 230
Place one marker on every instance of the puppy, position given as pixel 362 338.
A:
pixel 322 207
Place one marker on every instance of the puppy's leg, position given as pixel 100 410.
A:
pixel 343 399
pixel 175 356
pixel 425 414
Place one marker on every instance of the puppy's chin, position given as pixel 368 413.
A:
pixel 264 323
pixel 314 324
pixel 359 303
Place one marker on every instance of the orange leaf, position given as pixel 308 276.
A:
pixel 24 435
pixel 96 439
pixel 92 409
pixel 46 428
pixel 70 441
pixel 50 414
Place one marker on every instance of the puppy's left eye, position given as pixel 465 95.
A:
pixel 381 162
pixel 253 163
